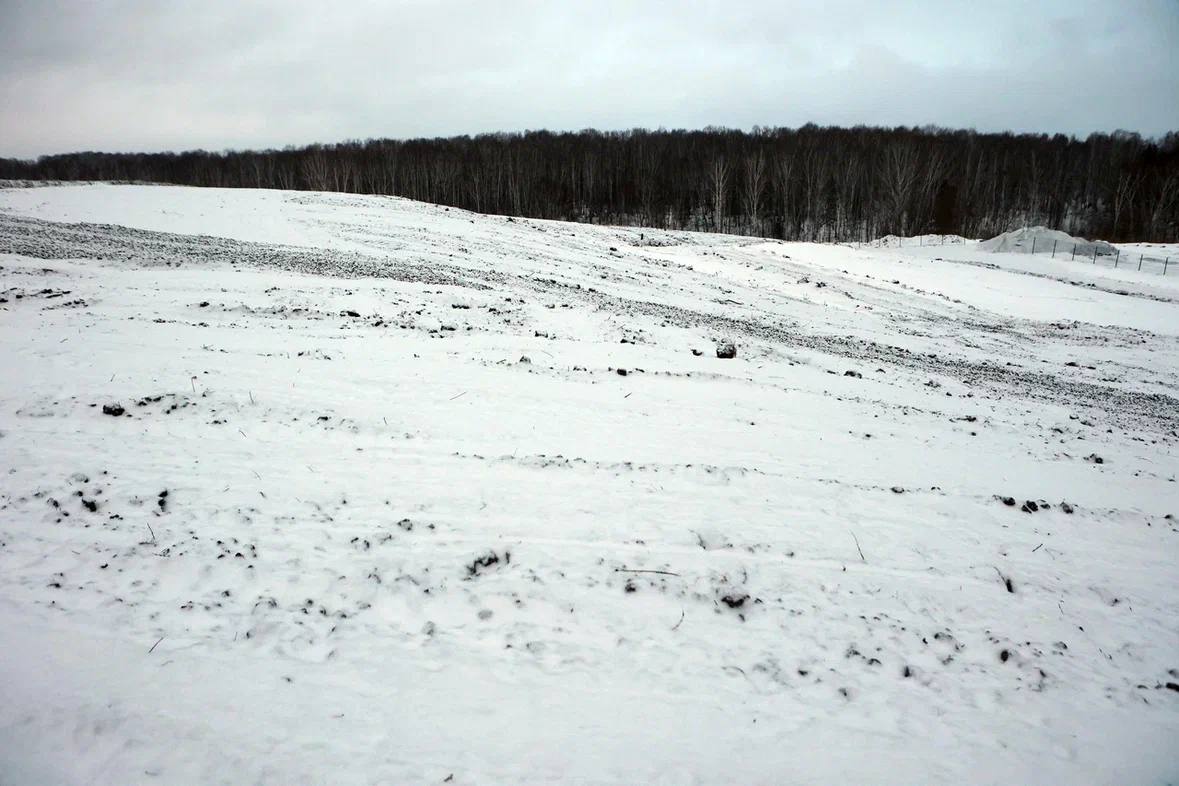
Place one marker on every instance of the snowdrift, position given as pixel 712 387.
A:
pixel 897 241
pixel 1042 239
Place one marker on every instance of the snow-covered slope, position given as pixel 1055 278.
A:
pixel 382 508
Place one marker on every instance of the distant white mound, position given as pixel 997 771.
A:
pixel 1043 240
pixel 895 241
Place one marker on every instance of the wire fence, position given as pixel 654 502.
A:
pixel 893 241
pixel 1103 254
pixel 1094 253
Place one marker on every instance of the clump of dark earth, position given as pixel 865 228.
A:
pixel 113 410
pixel 486 561
pixel 1066 507
pixel 697 352
pixel 854 374
pixel 621 372
pixel 349 313
pixel 162 500
pixel 1029 507
pixel 734 601
pixel 1009 501
pixel 726 350
pixel 1094 458
pixel 897 490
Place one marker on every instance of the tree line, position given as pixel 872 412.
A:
pixel 809 183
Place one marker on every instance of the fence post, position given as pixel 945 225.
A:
pixel 1033 244
pixel 1054 242
pixel 1140 262
pixel 1116 258
pixel 1074 256
pixel 1166 262
pixel 1094 253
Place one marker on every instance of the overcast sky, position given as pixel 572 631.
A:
pixel 80 75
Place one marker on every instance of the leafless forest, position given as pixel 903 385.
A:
pixel 811 183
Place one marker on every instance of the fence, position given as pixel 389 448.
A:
pixel 1104 254
pixel 1095 253
pixel 893 241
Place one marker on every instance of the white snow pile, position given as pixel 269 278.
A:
pixel 323 488
pixel 1043 240
pixel 896 241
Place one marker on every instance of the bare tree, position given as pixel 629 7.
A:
pixel 1123 198
pixel 1164 205
pixel 718 183
pixel 753 186
pixel 898 177
pixel 315 170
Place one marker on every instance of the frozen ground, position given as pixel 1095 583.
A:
pixel 381 508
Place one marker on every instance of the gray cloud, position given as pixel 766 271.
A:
pixel 154 76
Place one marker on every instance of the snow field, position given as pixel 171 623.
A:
pixel 417 524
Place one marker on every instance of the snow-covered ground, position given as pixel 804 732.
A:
pixel 382 508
